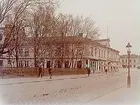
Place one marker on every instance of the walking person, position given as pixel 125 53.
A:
pixel 50 72
pixel 106 70
pixel 88 71
pixel 40 71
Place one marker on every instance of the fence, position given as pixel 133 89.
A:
pixel 34 71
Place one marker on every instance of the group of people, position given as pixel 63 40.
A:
pixel 40 71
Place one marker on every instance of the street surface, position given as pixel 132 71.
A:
pixel 98 89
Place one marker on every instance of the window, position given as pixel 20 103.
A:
pixel 122 61
pixel 0 54
pixel 95 51
pixel 86 61
pixel 104 54
pixel 0 36
pixel 26 63
pixel 59 64
pixel 134 66
pixel 91 51
pixel 20 64
pixel 134 61
pixel 1 62
pixel 26 53
pixel 79 64
pixel 48 64
pixel 21 52
pixel 0 47
pixel 99 52
pixel 66 64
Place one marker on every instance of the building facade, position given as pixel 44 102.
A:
pixel 66 52
pixel 134 61
pixel 1 41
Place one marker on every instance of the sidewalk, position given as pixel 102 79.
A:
pixel 122 96
pixel 20 80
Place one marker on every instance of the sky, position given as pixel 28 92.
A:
pixel 122 17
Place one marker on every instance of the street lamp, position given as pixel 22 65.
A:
pixel 128 77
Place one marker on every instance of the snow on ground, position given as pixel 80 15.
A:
pixel 61 90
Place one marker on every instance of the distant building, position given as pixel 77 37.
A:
pixel 134 61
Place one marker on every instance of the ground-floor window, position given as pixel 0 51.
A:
pixel 48 64
pixel 26 63
pixel 66 64
pixel 20 64
pixel 79 64
pixel 86 61
pixel 59 64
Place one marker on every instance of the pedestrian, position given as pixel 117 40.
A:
pixel 50 72
pixel 40 71
pixel 88 71
pixel 106 70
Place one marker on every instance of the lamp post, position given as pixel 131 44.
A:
pixel 128 76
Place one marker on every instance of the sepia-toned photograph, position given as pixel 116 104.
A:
pixel 69 52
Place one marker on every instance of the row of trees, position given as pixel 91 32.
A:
pixel 35 23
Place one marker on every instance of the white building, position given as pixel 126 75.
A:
pixel 77 52
pixel 134 61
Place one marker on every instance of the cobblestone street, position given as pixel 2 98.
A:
pixel 79 89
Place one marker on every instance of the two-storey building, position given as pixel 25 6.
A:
pixel 65 52
pixel 134 61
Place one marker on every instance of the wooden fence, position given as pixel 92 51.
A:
pixel 34 71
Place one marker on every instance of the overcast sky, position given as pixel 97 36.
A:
pixel 121 16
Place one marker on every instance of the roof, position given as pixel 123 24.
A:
pixel 103 39
pixel 70 39
pixel 132 55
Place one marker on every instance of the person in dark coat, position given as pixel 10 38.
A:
pixel 106 70
pixel 40 71
pixel 50 72
pixel 88 71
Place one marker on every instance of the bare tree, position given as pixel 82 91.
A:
pixel 11 23
pixel 77 29
pixel 5 8
pixel 41 27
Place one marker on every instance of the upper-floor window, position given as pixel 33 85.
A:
pixel 122 61
pixel 104 54
pixel 21 52
pixel 125 61
pixel 26 52
pixel 91 51
pixel 95 51
pixel 108 54
pixel 99 53
pixel 134 61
